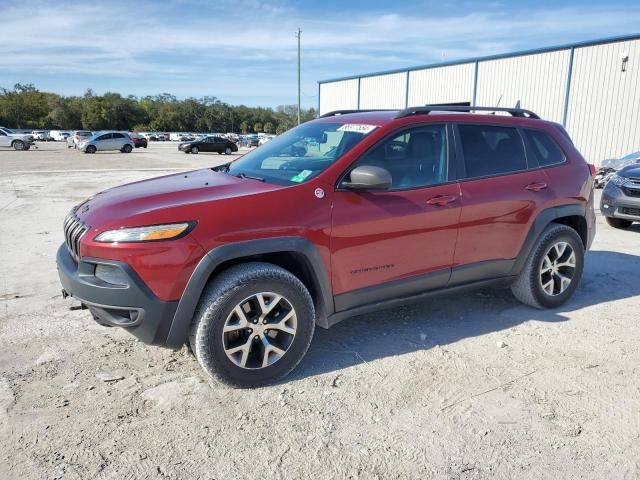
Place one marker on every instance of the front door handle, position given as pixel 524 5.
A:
pixel 536 187
pixel 441 200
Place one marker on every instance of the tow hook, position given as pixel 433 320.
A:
pixel 65 295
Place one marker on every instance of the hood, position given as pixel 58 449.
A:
pixel 127 205
pixel 630 171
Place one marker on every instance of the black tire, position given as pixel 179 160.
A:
pixel 227 151
pixel 127 148
pixel 618 222
pixel 90 149
pixel 528 287
pixel 230 289
pixel 18 145
pixel 195 150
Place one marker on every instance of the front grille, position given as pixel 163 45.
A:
pixel 631 192
pixel 630 211
pixel 74 229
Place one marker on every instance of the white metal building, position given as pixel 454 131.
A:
pixel 592 88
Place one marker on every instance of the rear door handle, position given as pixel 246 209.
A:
pixel 441 200
pixel 536 187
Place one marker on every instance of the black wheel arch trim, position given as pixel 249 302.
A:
pixel 544 218
pixel 179 331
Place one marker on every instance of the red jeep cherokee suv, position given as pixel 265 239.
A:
pixel 348 213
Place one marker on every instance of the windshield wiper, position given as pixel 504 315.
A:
pixel 250 177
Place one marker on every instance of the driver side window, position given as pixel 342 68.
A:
pixel 415 157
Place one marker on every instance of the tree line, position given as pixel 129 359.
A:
pixel 27 107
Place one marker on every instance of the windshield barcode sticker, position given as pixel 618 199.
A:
pixel 357 127
pixel 301 176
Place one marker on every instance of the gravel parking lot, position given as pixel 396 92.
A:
pixel 477 386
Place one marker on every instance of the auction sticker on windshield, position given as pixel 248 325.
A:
pixel 301 176
pixel 357 127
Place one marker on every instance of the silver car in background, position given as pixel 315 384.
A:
pixel 105 141
pixel 17 141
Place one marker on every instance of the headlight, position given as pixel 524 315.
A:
pixel 146 234
pixel 617 180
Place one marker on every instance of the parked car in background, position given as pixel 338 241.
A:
pixel 41 135
pixel 17 141
pixel 251 141
pixel 139 141
pixel 104 141
pixel 610 166
pixel 80 136
pixel 209 144
pixel 620 201
pixel 59 135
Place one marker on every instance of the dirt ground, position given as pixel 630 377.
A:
pixel 470 387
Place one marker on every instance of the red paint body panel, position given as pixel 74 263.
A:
pixel 385 236
pixel 496 215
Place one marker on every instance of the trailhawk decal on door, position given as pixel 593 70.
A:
pixel 373 269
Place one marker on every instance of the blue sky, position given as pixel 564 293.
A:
pixel 244 51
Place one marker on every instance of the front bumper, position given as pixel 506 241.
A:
pixel 132 306
pixel 618 203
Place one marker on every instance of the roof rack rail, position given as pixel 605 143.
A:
pixel 345 112
pixel 516 112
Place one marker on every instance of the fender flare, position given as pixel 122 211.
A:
pixel 179 330
pixel 544 218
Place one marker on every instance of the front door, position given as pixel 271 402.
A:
pixel 398 242
pixel 5 140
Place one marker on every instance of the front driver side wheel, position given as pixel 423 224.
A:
pixel 553 270
pixel 253 325
pixel 194 150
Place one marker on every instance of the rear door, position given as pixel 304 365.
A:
pixel 119 139
pixel 502 193
pixel 400 242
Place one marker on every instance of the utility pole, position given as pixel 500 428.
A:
pixel 298 32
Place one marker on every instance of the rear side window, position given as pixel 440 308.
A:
pixel 491 150
pixel 118 135
pixel 543 149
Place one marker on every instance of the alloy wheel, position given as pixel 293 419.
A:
pixel 259 330
pixel 557 268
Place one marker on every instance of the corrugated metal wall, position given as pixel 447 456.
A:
pixel 383 91
pixel 453 84
pixel 604 102
pixel 602 108
pixel 538 81
pixel 339 95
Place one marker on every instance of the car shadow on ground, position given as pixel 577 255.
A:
pixel 608 276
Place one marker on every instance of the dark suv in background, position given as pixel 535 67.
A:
pixel 620 201
pixel 348 213
pixel 209 144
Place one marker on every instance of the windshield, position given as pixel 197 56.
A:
pixel 300 154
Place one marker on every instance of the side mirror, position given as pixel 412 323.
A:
pixel 367 178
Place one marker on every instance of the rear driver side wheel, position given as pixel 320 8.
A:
pixel 553 270
pixel 253 325
pixel 127 148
